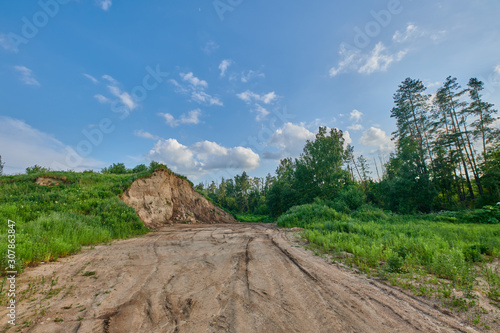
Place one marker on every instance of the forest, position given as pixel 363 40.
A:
pixel 447 157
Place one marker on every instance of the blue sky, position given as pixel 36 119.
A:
pixel 213 88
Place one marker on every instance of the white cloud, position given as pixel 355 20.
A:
pixel 411 32
pixel 123 96
pixel 375 137
pixel 146 135
pixel 497 69
pixel 193 80
pixel 169 119
pixel 126 102
pixel 24 146
pixel 377 60
pixel 262 113
pixel 249 96
pixel 6 43
pixel 356 115
pixel 110 79
pixel 356 127
pixel 26 76
pixel 196 89
pixel 347 138
pixel 193 117
pixel 249 75
pixel 224 65
pixel 102 99
pixel 202 157
pixel 91 78
pixel 290 140
pixel 104 4
pixel 202 97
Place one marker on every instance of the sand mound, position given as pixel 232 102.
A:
pixel 165 198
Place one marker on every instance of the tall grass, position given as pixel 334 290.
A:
pixel 55 221
pixel 399 243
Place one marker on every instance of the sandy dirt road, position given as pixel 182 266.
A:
pixel 213 278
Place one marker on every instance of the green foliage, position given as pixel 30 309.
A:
pixel 115 168
pixel 254 218
pixel 304 215
pixel 485 215
pixel 317 173
pixel 55 221
pixel 36 169
pixel 400 243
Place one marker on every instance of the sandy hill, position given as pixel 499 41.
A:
pixel 165 198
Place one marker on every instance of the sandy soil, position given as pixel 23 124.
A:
pixel 214 278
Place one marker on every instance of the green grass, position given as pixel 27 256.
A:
pixel 56 221
pixel 253 218
pixel 409 248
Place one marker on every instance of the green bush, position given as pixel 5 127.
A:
pixel 300 216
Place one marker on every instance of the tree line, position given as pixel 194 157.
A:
pixel 447 156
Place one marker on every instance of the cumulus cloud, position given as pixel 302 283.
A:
pixel 24 146
pixel 290 140
pixel 26 76
pixel 375 137
pixel 202 97
pixel 262 113
pixel 202 157
pixel 497 69
pixel 249 96
pixel 193 117
pixel 193 80
pixel 355 115
pixel 104 4
pixel 356 127
pixel 224 65
pixel 146 135
pixel 195 88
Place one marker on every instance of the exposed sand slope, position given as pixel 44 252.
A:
pixel 165 198
pixel 215 278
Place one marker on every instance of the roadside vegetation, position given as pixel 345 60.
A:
pixel 69 211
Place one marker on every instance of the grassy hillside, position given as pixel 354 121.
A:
pixel 430 254
pixel 54 221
